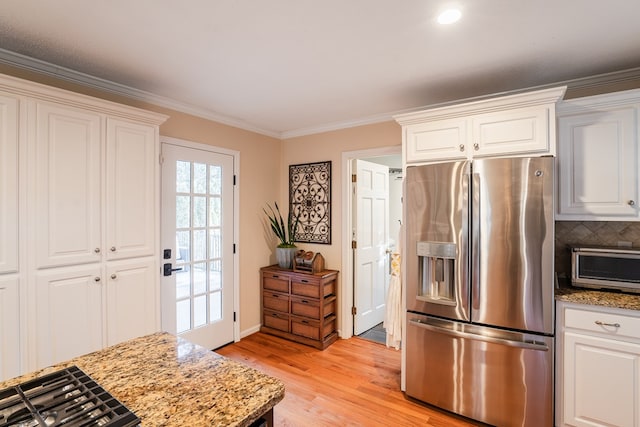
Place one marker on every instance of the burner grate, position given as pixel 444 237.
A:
pixel 68 397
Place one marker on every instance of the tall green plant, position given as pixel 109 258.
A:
pixel 286 235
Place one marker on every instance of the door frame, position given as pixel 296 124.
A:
pixel 236 218
pixel 346 283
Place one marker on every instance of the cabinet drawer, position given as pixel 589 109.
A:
pixel 312 308
pixel 275 320
pixel 313 289
pixel 613 324
pixel 275 301
pixel 275 282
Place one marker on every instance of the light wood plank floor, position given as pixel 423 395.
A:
pixel 353 382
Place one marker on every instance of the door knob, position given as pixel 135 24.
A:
pixel 631 203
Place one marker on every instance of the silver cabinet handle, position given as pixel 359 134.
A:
pixel 476 146
pixel 96 279
pixel 631 202
pixel 113 276
pixel 615 325
pixel 96 250
pixel 112 249
pixel 461 147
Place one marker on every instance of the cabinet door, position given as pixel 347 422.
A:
pixel 132 301
pixel 10 354
pixel 437 140
pixel 67 195
pixel 68 314
pixel 601 381
pixel 8 184
pixel 517 131
pixel 598 159
pixel 131 189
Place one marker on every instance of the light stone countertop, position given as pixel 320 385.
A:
pixel 169 381
pixel 595 297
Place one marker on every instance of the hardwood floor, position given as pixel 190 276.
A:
pixel 353 382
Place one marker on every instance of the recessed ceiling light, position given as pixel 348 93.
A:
pixel 449 16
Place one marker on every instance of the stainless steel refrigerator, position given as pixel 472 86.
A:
pixel 480 303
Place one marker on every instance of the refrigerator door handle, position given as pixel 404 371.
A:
pixel 532 345
pixel 475 239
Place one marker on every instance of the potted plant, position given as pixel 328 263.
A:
pixel 286 249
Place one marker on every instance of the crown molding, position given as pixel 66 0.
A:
pixel 42 67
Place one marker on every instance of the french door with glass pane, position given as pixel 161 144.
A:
pixel 197 226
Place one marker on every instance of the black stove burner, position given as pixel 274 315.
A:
pixel 68 397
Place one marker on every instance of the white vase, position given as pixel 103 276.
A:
pixel 285 257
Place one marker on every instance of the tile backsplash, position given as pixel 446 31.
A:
pixel 600 233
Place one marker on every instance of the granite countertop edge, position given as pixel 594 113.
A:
pixel 596 297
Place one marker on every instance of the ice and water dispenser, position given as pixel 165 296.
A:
pixel 436 269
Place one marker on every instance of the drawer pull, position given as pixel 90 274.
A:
pixel 275 276
pixel 305 321
pixel 615 325
pixel 304 281
pixel 304 301
pixel 275 295
pixel 274 315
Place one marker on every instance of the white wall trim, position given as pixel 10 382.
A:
pixel 346 283
pixel 236 215
pixel 250 331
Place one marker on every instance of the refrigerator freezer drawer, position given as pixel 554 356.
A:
pixel 493 376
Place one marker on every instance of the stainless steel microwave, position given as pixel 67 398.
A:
pixel 606 268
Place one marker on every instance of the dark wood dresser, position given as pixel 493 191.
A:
pixel 300 306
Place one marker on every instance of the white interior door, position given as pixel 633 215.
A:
pixel 197 226
pixel 372 238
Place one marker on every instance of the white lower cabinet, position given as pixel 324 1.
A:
pixel 68 313
pixel 598 363
pixel 131 299
pixel 10 346
pixel 80 310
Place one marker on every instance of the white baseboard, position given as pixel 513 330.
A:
pixel 250 331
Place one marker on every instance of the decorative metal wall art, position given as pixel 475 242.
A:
pixel 310 198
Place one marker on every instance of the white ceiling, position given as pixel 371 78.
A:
pixel 290 67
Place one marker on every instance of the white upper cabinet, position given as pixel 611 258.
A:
pixel 131 189
pixel 9 106
pixel 598 158
pixel 514 125
pixel 67 195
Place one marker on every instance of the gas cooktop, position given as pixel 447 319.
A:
pixel 68 397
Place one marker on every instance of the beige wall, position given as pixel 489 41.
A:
pixel 330 146
pixel 259 179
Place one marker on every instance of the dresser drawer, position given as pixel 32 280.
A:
pixel 312 288
pixel 306 328
pixel 275 282
pixel 275 301
pixel 614 324
pixel 276 320
pixel 313 308
pixel 313 329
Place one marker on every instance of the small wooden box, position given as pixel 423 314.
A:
pixel 308 262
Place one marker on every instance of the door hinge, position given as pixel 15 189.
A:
pixel 354 244
pixel 354 311
pixel 234 180
pixel 234 248
pixel 354 178
pixel 234 316
pixel 161 159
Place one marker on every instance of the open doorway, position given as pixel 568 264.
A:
pixel 366 263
